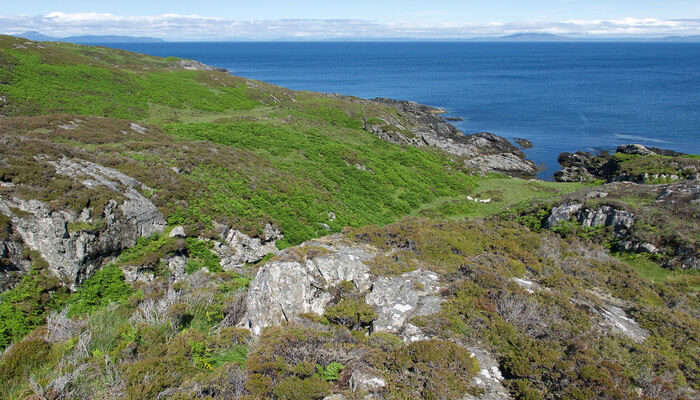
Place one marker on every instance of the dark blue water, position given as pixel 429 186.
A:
pixel 561 96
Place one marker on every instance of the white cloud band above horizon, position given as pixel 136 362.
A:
pixel 196 27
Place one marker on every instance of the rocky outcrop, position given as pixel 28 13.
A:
pixel 192 65
pixel 584 166
pixel 365 381
pixel 237 249
pixel 75 244
pixel 13 260
pixel 423 125
pixel 505 163
pixel 398 299
pixel 620 220
pixel 638 217
pixel 638 149
pixel 298 281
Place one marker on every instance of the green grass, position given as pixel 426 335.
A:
pixel 651 270
pixel 105 287
pixel 26 306
pixel 504 194
pixel 312 173
pixel 36 87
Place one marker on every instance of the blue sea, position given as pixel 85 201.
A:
pixel 561 96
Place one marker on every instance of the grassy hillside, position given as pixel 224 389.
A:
pixel 221 148
pixel 216 150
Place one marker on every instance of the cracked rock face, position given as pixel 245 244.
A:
pixel 563 213
pixel 507 163
pixel 293 284
pixel 621 220
pixel 398 299
pixel 237 249
pixel 73 256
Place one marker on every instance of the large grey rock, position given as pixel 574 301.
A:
pixel 336 396
pixel 398 299
pixel 573 174
pixel 177 232
pixel 73 256
pixel 13 262
pixel 298 279
pixel 636 149
pixel 192 65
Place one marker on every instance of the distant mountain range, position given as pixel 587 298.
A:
pixel 548 37
pixel 531 37
pixel 517 37
pixel 88 39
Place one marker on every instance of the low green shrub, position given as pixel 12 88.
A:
pixel 330 372
pixel 26 306
pixel 201 256
pixel 294 388
pixel 352 313
pixel 105 287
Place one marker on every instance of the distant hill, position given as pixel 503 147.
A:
pixel 548 37
pixel 37 36
pixel 534 37
pixel 88 39
pixel 695 38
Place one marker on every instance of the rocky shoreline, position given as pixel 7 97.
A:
pixel 424 126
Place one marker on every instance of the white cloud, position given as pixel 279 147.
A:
pixel 197 27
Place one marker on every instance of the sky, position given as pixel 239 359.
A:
pixel 316 19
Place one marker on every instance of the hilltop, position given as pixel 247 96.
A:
pixel 88 39
pixel 168 230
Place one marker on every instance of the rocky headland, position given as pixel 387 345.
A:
pixel 632 162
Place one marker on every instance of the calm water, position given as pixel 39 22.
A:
pixel 562 96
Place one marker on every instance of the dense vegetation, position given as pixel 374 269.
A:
pixel 214 150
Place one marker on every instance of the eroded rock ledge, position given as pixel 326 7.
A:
pixel 76 243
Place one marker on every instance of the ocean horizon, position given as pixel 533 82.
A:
pixel 562 96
